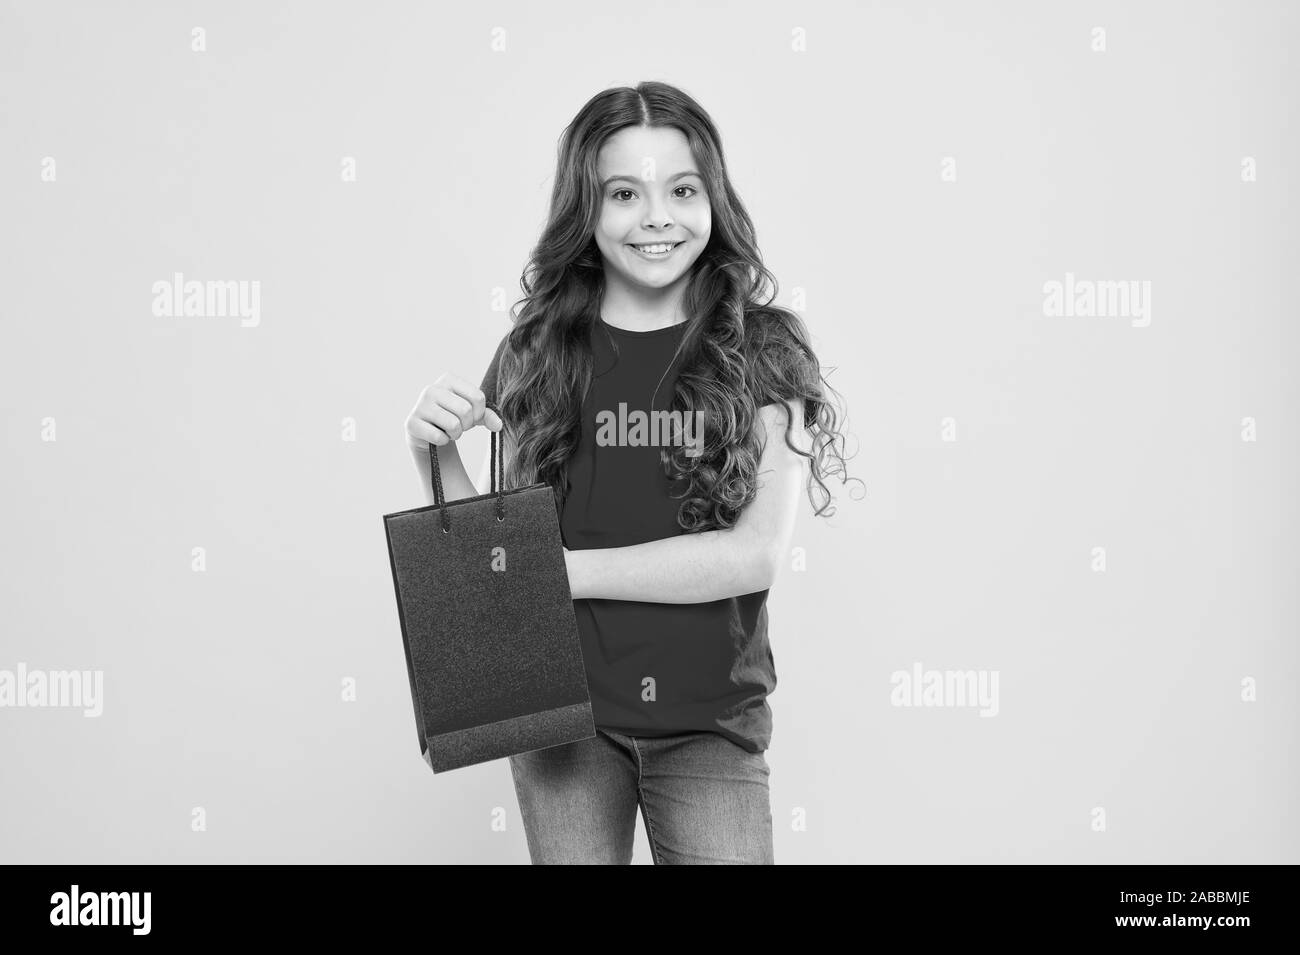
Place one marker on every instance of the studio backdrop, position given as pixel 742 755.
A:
pixel 1042 251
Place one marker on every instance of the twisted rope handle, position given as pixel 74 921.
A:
pixel 498 477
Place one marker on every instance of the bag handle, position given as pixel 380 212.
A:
pixel 498 477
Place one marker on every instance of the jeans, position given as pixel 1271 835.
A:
pixel 704 800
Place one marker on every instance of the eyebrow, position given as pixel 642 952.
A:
pixel 688 172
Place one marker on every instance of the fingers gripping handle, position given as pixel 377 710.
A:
pixel 498 477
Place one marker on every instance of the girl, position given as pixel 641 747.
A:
pixel 672 408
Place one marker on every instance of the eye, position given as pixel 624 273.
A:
pixel 617 192
pixel 692 193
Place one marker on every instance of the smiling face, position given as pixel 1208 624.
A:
pixel 654 214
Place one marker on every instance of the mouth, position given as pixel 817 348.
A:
pixel 656 250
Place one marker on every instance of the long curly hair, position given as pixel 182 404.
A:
pixel 738 353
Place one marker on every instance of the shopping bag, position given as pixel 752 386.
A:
pixel 491 642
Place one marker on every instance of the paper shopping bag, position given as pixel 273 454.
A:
pixel 491 642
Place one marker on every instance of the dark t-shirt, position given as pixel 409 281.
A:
pixel 711 664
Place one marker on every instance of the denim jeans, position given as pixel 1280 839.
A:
pixel 704 800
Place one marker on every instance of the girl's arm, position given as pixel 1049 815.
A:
pixel 710 565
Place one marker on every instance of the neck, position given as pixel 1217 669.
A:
pixel 641 309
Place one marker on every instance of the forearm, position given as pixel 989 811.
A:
pixel 690 568
pixel 455 481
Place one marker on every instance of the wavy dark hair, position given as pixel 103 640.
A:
pixel 738 353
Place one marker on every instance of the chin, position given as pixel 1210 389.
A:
pixel 657 279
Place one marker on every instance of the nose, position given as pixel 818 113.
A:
pixel 657 216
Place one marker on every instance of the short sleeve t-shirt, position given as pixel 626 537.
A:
pixel 653 669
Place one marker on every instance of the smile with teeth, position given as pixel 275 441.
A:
pixel 656 250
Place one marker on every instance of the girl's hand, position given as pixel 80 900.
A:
pixel 445 410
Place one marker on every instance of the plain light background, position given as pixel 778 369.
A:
pixel 1119 690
